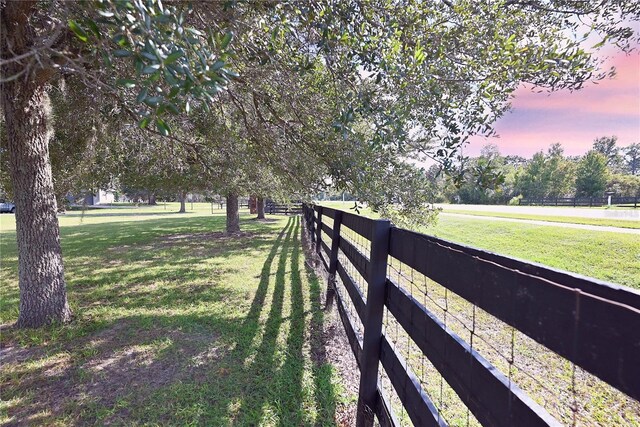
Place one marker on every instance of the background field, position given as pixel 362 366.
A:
pixel 605 255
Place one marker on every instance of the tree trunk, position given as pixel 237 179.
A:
pixel 233 217
pixel 43 295
pixel 260 203
pixel 152 199
pixel 183 199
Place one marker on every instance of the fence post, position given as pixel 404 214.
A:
pixel 377 277
pixel 312 230
pixel 333 258
pixel 319 231
pixel 305 212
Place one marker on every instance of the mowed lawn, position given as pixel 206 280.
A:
pixel 614 257
pixel 607 222
pixel 175 324
pixel 605 255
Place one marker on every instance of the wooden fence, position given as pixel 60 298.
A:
pixel 282 208
pixel 592 325
pixel 581 201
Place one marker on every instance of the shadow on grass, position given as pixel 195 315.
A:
pixel 190 351
pixel 105 262
pixel 79 214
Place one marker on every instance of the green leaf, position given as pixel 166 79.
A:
pixel 173 57
pixel 142 95
pixel 163 128
pixel 150 69
pixel 122 53
pixel 172 108
pixel 149 55
pixel 226 40
pixel 153 101
pixel 120 40
pixel 126 83
pixel 195 32
pixel 161 18
pixel 78 31
pixel 94 27
pixel 139 65
pixel 217 65
pixel 144 122
pixel 231 73
pixel 170 78
pixel 174 91
pixel 106 60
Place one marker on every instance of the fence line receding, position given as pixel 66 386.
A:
pixel 444 334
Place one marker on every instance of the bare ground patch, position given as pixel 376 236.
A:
pixel 199 244
pixel 120 363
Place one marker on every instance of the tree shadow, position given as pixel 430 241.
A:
pixel 279 384
pixel 263 367
pixel 102 261
pixel 323 372
pixel 77 214
pixel 152 363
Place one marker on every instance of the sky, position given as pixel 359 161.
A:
pixel 575 119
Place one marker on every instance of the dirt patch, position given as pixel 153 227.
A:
pixel 265 220
pixel 115 364
pixel 340 355
pixel 10 354
pixel 202 244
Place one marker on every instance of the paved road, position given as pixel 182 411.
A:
pixel 548 223
pixel 631 214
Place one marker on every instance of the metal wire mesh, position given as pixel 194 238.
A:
pixel 360 282
pixel 363 246
pixel 571 395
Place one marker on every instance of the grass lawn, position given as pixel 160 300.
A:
pixel 175 324
pixel 614 257
pixel 563 219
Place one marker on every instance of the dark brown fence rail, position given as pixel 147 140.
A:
pixel 591 327
pixel 582 201
pixel 282 209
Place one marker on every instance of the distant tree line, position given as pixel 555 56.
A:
pixel 492 178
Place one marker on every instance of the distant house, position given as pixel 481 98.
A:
pixel 100 197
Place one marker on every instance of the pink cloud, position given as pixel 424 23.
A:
pixel 619 95
pixel 611 107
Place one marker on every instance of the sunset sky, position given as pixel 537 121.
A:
pixel 537 120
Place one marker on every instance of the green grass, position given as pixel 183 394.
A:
pixel 622 223
pixel 175 324
pixel 605 255
pixel 614 257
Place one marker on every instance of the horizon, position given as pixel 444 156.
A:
pixel 610 107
